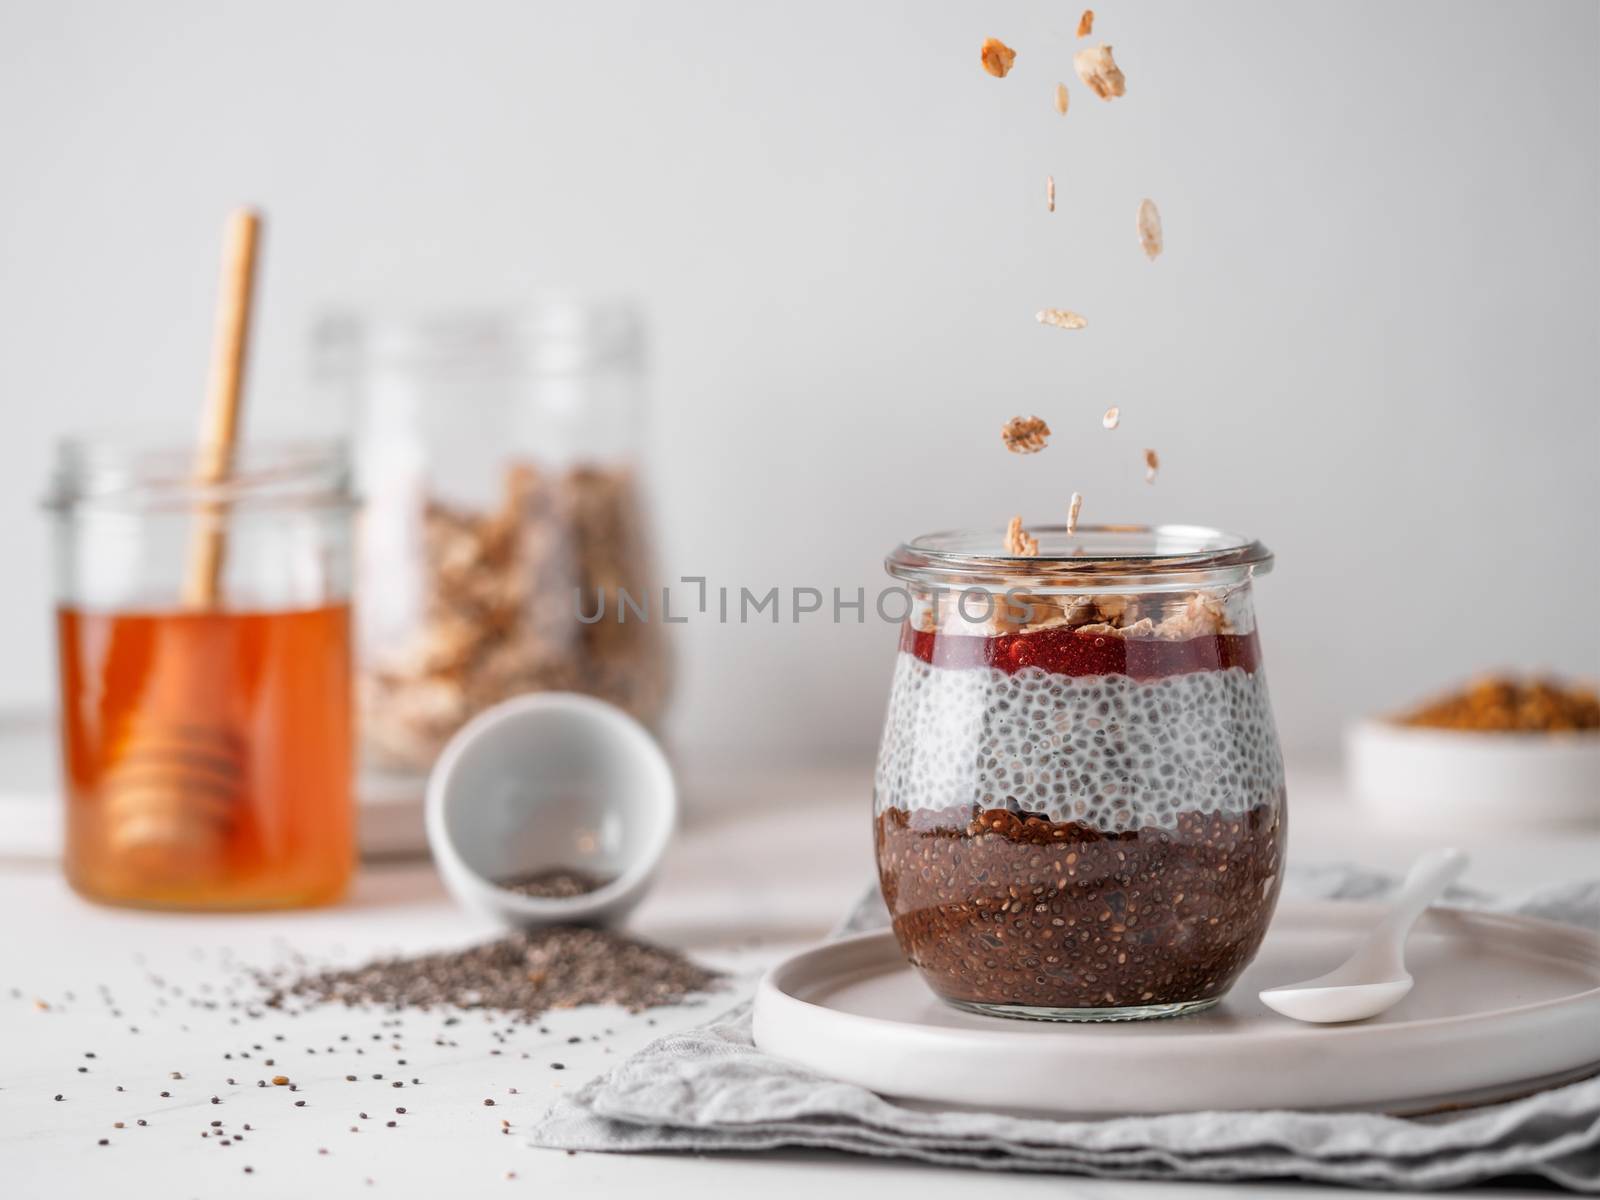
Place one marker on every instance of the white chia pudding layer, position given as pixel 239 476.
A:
pixel 1106 751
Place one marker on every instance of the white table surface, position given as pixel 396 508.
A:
pixel 766 863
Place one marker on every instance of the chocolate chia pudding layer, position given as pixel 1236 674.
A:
pixel 1076 823
pixel 1009 909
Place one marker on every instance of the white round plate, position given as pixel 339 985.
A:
pixel 1501 1006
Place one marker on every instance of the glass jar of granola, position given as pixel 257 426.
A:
pixel 499 470
pixel 1079 798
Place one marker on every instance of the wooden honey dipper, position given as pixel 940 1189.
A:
pixel 176 782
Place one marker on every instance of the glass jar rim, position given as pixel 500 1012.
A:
pixel 553 334
pixel 130 471
pixel 1091 557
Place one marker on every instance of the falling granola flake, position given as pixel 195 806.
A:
pixel 1018 541
pixel 1150 228
pixel 1086 23
pixel 1074 507
pixel 1099 72
pixel 1025 435
pixel 1050 192
pixel 997 57
pixel 1112 418
pixel 1062 98
pixel 1059 317
pixel 1152 464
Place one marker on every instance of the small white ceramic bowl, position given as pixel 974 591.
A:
pixel 1454 779
pixel 550 780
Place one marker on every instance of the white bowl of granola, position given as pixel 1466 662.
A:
pixel 1501 751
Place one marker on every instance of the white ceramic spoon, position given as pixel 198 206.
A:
pixel 1374 978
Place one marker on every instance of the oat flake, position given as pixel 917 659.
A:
pixel 1099 71
pixel 1061 98
pixel 1018 541
pixel 1025 435
pixel 1059 317
pixel 1112 418
pixel 997 57
pixel 1150 229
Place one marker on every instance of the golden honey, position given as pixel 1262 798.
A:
pixel 270 822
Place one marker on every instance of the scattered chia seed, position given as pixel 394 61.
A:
pixel 524 975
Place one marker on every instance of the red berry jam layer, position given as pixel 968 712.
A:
pixel 1064 651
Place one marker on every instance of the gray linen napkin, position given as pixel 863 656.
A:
pixel 710 1089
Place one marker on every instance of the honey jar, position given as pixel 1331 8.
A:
pixel 207 747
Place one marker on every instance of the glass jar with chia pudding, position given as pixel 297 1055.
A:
pixel 1079 798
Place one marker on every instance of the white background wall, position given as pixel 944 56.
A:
pixel 1372 340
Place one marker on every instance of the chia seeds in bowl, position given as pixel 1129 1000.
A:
pixel 1079 800
pixel 554 883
